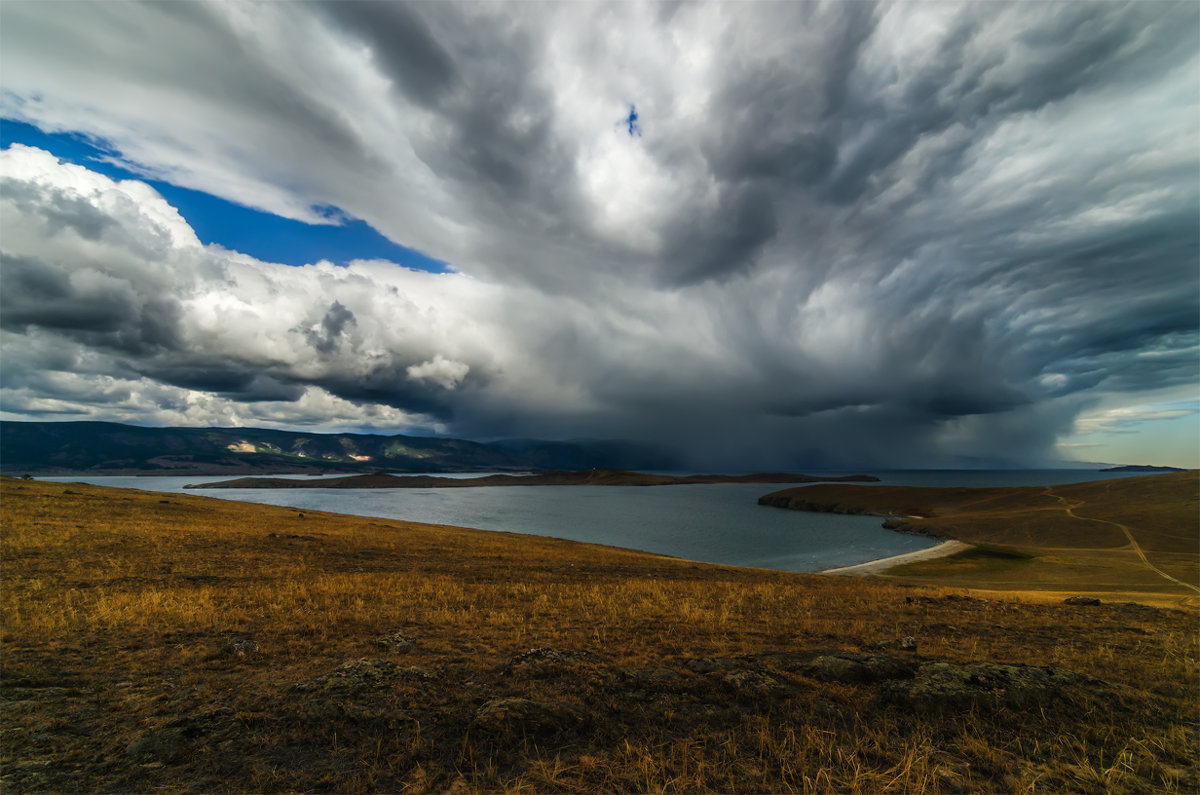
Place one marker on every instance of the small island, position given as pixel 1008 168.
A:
pixel 1142 468
pixel 583 477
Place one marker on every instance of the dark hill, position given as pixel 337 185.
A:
pixel 586 477
pixel 111 448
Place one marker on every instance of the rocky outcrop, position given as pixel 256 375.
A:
pixel 939 686
pixel 523 717
pixel 366 673
pixel 396 643
pixel 542 661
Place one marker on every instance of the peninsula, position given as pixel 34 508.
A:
pixel 583 477
pixel 1133 536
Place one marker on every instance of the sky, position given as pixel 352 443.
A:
pixel 769 235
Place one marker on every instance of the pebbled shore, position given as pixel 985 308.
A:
pixel 882 564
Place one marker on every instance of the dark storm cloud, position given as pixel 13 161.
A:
pixel 401 43
pixel 732 235
pixel 901 231
pixel 108 314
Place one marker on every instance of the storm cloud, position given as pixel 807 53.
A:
pixel 847 233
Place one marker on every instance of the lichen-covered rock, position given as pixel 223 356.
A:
pixel 1081 600
pixel 753 682
pixel 851 668
pixel 396 643
pixel 367 672
pixel 541 661
pixel 243 647
pixel 942 685
pixel 516 717
pixel 907 643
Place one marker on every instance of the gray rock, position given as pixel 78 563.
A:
pixel 753 682
pixel 396 643
pixel 907 643
pixel 243 647
pixel 543 661
pixel 1081 600
pixel 365 673
pixel 941 685
pixel 852 668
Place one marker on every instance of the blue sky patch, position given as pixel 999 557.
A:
pixel 631 120
pixel 262 235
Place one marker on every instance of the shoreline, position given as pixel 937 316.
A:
pixel 879 565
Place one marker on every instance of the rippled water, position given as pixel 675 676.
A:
pixel 711 523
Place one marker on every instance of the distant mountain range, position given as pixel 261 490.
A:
pixel 97 448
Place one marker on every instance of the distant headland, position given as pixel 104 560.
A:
pixel 583 477
pixel 1142 468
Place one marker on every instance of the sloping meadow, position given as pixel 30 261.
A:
pixel 174 642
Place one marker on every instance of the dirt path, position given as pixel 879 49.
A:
pixel 1070 510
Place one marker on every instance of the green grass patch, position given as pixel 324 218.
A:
pixel 983 559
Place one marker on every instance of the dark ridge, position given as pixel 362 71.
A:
pixel 583 477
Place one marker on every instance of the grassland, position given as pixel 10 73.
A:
pixel 1137 537
pixel 176 643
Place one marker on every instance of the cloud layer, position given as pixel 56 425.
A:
pixel 847 233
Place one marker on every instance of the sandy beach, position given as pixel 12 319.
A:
pixel 878 566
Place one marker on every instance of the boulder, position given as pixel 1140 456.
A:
pixel 853 668
pixel 941 685
pixel 366 673
pixel 753 682
pixel 542 661
pixel 522 717
pixel 243 647
pixel 396 643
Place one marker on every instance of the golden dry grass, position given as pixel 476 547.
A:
pixel 119 608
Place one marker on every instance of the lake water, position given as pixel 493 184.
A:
pixel 720 523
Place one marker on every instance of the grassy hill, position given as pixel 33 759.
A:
pixel 174 642
pixel 1135 534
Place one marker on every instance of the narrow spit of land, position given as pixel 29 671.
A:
pixel 1137 536
pixel 156 642
pixel 583 477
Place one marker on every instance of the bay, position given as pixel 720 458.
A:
pixel 712 523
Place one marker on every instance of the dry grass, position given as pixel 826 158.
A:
pixel 119 608
pixel 1136 535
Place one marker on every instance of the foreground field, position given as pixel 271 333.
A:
pixel 1136 537
pixel 177 643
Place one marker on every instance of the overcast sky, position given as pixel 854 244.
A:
pixel 770 234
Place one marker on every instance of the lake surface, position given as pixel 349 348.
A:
pixel 713 523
